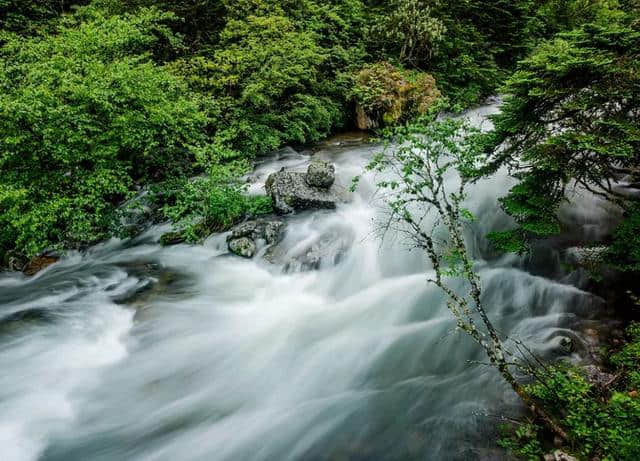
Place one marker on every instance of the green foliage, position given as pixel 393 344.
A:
pixel 624 251
pixel 214 203
pixel 85 115
pixel 609 428
pixel 201 20
pixel 30 16
pixel 629 356
pixel 483 40
pixel 570 117
pixel 275 73
pixel 554 16
pixel 521 441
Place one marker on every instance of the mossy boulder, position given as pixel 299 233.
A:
pixel 387 95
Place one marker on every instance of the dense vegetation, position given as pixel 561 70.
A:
pixel 102 99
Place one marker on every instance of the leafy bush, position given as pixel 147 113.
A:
pixel 609 429
pixel 521 441
pixel 85 115
pixel 624 251
pixel 214 203
pixel 30 16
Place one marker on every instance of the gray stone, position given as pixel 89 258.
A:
pixel 320 174
pixel 268 230
pixel 559 455
pixel 364 120
pixel 243 246
pixel 290 192
pixel 246 229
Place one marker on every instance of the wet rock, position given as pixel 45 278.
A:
pixel 173 238
pixel 243 239
pixel 39 263
pixel 14 262
pixel 268 230
pixel 243 246
pixel 321 174
pixel 246 229
pixel 290 192
pixel 598 378
pixel 559 455
pixel 566 345
pixel 364 121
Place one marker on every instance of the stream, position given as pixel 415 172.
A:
pixel 134 351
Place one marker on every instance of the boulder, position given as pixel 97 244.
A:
pixel 242 239
pixel 321 175
pixel 268 230
pixel 290 192
pixel 243 246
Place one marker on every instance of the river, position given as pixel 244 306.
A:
pixel 133 351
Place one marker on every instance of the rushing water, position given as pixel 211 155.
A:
pixel 132 351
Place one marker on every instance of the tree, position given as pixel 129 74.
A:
pixel 428 167
pixel 29 16
pixel 410 30
pixel 571 117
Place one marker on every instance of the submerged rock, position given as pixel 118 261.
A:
pixel 243 246
pixel 320 174
pixel 329 249
pixel 290 192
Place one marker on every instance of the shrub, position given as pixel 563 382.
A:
pixel 85 115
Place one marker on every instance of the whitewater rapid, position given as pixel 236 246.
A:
pixel 133 351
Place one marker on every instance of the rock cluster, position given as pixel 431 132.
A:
pixel 291 191
pixel 244 238
pixel 559 455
